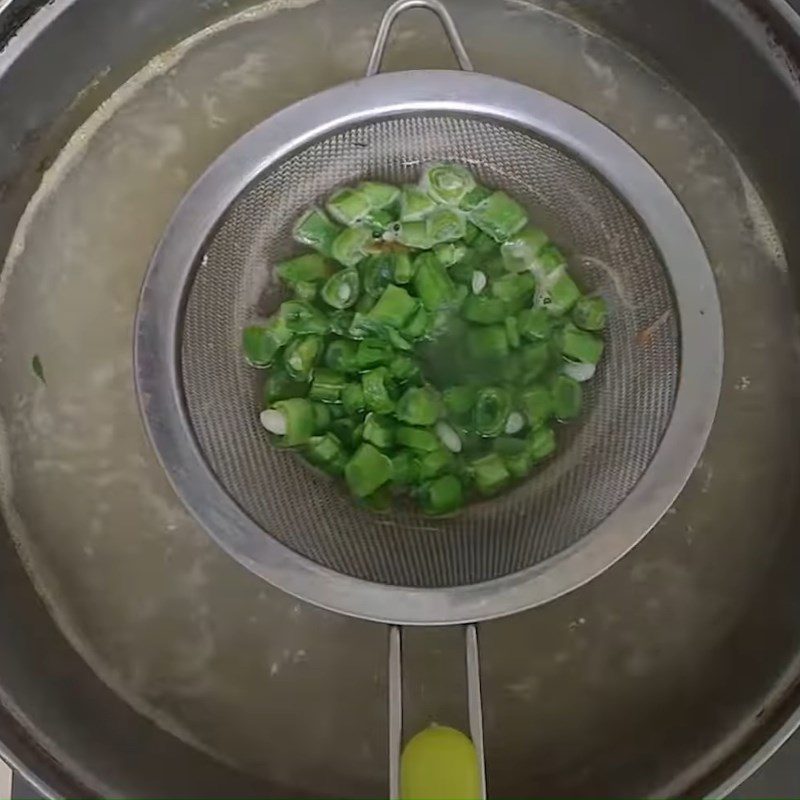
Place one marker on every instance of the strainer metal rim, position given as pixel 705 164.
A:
pixel 168 280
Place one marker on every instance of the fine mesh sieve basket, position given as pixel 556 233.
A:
pixel 617 469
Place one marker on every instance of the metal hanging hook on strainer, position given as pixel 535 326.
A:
pixel 618 468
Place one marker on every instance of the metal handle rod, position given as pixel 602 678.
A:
pixel 474 705
pixel 397 8
pixel 395 710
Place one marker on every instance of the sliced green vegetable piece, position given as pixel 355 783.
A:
pixel 474 198
pixel 419 406
pixel 414 233
pixel 326 451
pixel 515 290
pixel 512 332
pixel 376 390
pixel 567 398
pixel 488 343
pixel 379 195
pixel 432 283
pixel 590 313
pixel 341 322
pixel 405 468
pixel 535 359
pixel 490 473
pixel 435 463
pixel 520 251
pixel 445 225
pixel 379 431
pixel 442 496
pixel 404 369
pixel 327 386
pixel 394 307
pixel 542 443
pixel 313 228
pixel 547 261
pixel 535 324
pixel 516 455
pixel 460 400
pixel 301 317
pixel 353 398
pixel 373 353
pixel 348 431
pixel 417 324
pixel 499 216
pixel 367 470
pixel 404 268
pixel 348 206
pixel 447 183
pixel 450 253
pixel 415 204
pixel 306 268
pixel 537 403
pixel 378 273
pixel 322 417
pixel 340 355
pixel 492 407
pixel 292 420
pixel 306 291
pixel 420 439
pixel 484 310
pixel 341 289
pixel 261 343
pixel 350 246
pixel 301 355
pixel 281 386
pixel 558 295
pixel 581 346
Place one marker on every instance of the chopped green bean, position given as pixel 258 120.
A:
pixel 394 307
pixel 567 398
pixel 444 225
pixel 313 228
pixel 435 463
pixel 301 317
pixel 341 289
pixel 474 198
pixel 379 195
pixel 353 398
pixel 515 290
pixel 281 386
pixel 450 253
pixel 327 386
pixel 581 346
pixel 419 406
pixel 499 216
pixel 447 183
pixel 341 322
pixel 491 474
pixel 367 470
pixel 404 369
pixel 377 397
pixel 378 273
pixel 373 353
pixel 442 496
pixel 404 268
pixel 535 359
pixel 327 451
pixel 460 400
pixel 322 417
pixel 420 439
pixel 340 355
pixel 261 343
pixel 350 246
pixel 405 468
pixel 379 431
pixel 520 251
pixel 414 233
pixel 484 310
pixel 535 324
pixel 306 268
pixel 516 455
pixel 542 443
pixel 590 313
pixel 301 355
pixel 492 407
pixel 432 283
pixel 348 206
pixel 488 343
pixel 512 332
pixel 292 420
pixel 415 204
pixel 417 324
pixel 537 403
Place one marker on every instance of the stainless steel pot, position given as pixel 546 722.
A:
pixel 673 673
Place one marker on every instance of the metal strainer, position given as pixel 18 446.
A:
pixel 617 470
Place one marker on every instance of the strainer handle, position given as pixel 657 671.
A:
pixel 397 8
pixel 474 706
